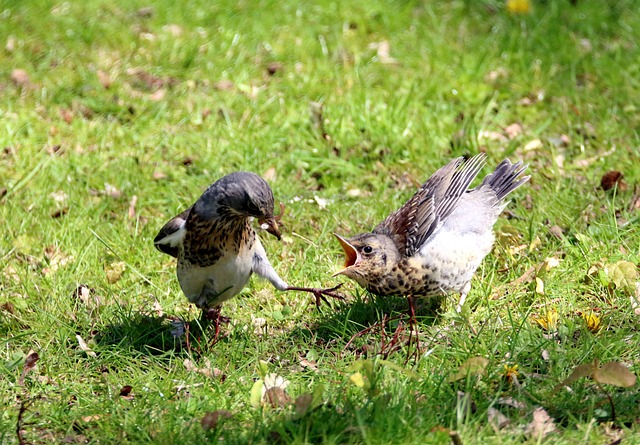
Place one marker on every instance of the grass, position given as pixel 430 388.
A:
pixel 126 117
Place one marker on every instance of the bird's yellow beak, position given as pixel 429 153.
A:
pixel 350 252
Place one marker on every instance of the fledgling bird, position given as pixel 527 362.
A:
pixel 216 246
pixel 435 242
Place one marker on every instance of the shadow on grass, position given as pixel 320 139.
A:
pixel 157 335
pixel 141 332
pixel 361 320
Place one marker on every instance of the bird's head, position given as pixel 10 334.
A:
pixel 244 194
pixel 368 257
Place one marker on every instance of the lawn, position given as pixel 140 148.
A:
pixel 116 115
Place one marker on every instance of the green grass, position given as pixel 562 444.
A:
pixel 164 130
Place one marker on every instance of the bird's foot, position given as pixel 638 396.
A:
pixel 320 294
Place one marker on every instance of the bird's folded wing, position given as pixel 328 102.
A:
pixel 417 220
pixel 172 234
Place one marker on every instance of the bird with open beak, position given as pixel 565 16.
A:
pixel 216 246
pixel 435 242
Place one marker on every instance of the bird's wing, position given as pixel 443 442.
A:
pixel 416 221
pixel 171 235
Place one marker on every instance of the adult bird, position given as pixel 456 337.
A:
pixel 217 248
pixel 435 242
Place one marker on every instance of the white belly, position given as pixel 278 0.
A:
pixel 212 285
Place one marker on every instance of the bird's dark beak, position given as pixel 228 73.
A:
pixel 271 225
pixel 350 252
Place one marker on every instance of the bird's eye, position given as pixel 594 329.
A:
pixel 367 249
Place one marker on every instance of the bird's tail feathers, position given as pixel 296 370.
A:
pixel 505 178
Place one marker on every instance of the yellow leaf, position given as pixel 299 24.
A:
pixel 357 379
pixel 472 366
pixel 539 286
pixel 623 274
pixel 114 271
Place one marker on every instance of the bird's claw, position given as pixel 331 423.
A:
pixel 322 294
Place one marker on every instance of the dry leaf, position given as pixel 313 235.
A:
pixel 125 392
pixel 614 373
pixel 131 212
pixel 111 191
pixel 471 367
pixel 158 95
pixel 104 79
pixel 84 346
pixel 497 419
pixel 541 425
pixel 322 202
pixel 513 131
pixel 635 299
pixel 20 77
pixel 259 324
pixel 486 135
pixel 91 418
pixel 383 51
pixel 273 68
pixel 535 144
pixel 612 179
pixel 211 420
pixel 539 286
pixel 115 271
pixel 66 115
pixel 223 85
pixel 29 363
pixel 309 364
pixel 623 274
pixel 174 30
pixel 270 174
pixel 303 404
pixel 157 175
pixel 207 371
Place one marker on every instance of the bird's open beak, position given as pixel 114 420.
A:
pixel 350 252
pixel 271 225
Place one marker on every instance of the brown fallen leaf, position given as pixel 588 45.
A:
pixel 66 115
pixel 223 85
pixel 29 364
pixel 612 179
pixel 274 67
pixel 131 212
pixel 207 370
pixel 514 130
pixel 104 79
pixel 497 420
pixel 125 392
pixel 20 78
pixel 276 397
pixel 541 425
pixel 211 420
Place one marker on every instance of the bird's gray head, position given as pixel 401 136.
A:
pixel 244 194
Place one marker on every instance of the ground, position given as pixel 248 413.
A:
pixel 117 115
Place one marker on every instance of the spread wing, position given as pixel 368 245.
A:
pixel 171 235
pixel 418 219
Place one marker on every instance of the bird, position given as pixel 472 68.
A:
pixel 433 245
pixel 216 247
